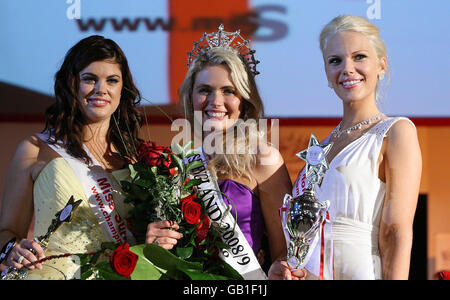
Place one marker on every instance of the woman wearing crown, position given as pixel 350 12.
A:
pixel 374 165
pixel 220 94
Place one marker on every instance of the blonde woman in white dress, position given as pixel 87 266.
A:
pixel 375 165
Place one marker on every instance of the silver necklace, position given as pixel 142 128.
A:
pixel 337 132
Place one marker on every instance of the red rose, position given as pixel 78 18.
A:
pixel 444 275
pixel 191 209
pixel 202 228
pixel 152 155
pixel 123 261
pixel 173 172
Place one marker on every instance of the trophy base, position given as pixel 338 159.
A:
pixel 293 262
pixel 298 253
pixel 14 274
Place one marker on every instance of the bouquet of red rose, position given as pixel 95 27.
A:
pixel 160 189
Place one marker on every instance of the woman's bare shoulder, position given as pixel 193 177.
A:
pixel 269 155
pixel 28 148
pixel 269 162
pixel 402 134
pixel 31 155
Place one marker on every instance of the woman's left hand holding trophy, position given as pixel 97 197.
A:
pixel 280 270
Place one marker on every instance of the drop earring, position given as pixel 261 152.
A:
pixel 381 76
pixel 330 85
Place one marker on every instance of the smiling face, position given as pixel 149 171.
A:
pixel 216 96
pixel 352 66
pixel 100 89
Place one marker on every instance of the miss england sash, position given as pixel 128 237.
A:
pixel 240 256
pixel 98 189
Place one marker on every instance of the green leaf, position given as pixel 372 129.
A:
pixel 143 182
pixel 87 274
pixel 134 191
pixel 192 152
pixel 163 259
pixel 184 253
pixel 222 245
pixel 228 270
pixel 95 257
pixel 133 172
pixel 126 186
pixel 146 173
pixel 191 183
pixel 190 228
pixel 154 170
pixel 144 269
pixel 109 245
pixel 193 165
pixel 106 272
pixel 84 259
pixel 177 149
pixel 188 146
pixel 85 268
pixel 179 163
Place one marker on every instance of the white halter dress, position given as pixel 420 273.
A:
pixel 356 194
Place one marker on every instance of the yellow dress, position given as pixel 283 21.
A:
pixel 52 189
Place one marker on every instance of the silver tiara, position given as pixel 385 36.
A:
pixel 226 40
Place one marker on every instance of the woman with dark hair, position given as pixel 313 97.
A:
pixel 90 135
pixel 66 120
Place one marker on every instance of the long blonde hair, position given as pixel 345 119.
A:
pixel 235 165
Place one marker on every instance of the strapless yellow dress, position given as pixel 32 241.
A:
pixel 52 189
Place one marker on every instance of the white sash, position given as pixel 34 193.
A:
pixel 321 259
pixel 99 192
pixel 240 256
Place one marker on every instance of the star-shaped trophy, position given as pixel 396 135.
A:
pixel 302 216
pixel 316 160
pixel 62 216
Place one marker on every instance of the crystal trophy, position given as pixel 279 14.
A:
pixel 302 216
pixel 62 216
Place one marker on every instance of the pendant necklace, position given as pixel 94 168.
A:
pixel 337 132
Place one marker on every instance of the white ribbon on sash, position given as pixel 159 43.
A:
pixel 321 262
pixel 240 256
pixel 99 192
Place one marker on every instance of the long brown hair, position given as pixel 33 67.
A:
pixel 64 119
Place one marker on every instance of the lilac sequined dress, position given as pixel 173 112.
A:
pixel 249 213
